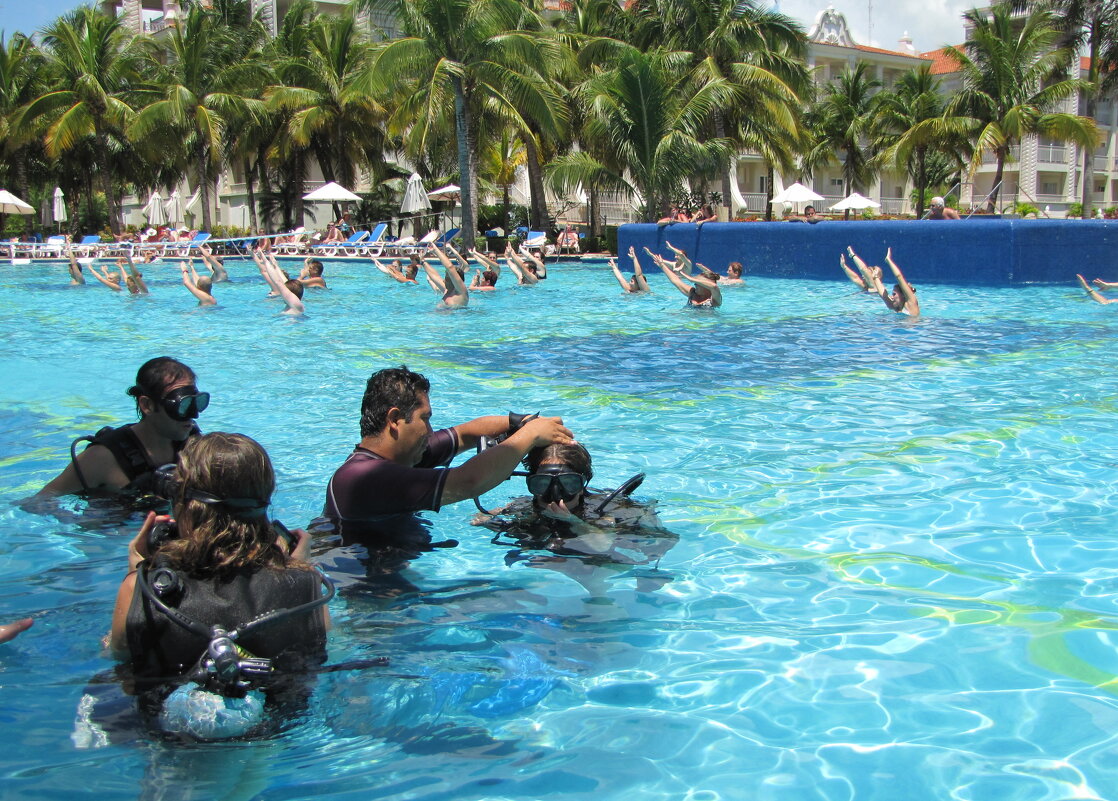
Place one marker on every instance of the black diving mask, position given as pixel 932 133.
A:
pixel 185 403
pixel 553 483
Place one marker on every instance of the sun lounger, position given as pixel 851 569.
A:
pixel 182 249
pixel 295 244
pixel 374 245
pixel 89 246
pixel 329 249
pixel 535 239
pixel 417 247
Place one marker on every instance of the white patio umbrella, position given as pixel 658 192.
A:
pixel 174 208
pixel 856 202
pixel 331 192
pixel 58 210
pixel 797 193
pixel 415 196
pixel 10 204
pixel 154 209
pixel 448 192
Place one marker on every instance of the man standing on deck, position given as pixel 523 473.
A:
pixel 401 465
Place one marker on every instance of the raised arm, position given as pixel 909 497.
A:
pixel 541 268
pixel 1092 293
pixel 906 288
pixel 104 279
pixel 517 266
pixel 137 276
pixel 265 272
pixel 486 261
pixel 1101 284
pixel 621 279
pixel 672 275
pixel 76 276
pixel 462 260
pixel 433 277
pixel 870 275
pixel 683 261
pixel 190 281
pixel 853 276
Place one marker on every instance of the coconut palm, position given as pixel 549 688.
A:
pixel 1014 79
pixel 19 67
pixel 841 122
pixel 329 111
pixel 649 116
pixel 901 139
pixel 199 93
pixel 95 70
pixel 465 53
pixel 759 51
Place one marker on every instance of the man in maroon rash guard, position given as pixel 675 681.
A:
pixel 401 465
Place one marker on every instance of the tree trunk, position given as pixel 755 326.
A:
pixel 537 213
pixel 593 212
pixel 770 177
pixel 921 182
pixel 467 165
pixel 204 187
pixel 727 192
pixel 102 160
pixel 250 192
pixel 992 203
pixel 19 168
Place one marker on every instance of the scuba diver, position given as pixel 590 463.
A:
pixel 218 601
pixel 125 459
pixel 565 516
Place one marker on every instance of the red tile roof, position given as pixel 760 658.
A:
pixel 942 63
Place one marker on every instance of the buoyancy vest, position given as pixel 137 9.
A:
pixel 130 454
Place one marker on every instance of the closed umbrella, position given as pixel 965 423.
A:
pixel 58 209
pixel 174 208
pixel 415 196
pixel 10 204
pixel 154 209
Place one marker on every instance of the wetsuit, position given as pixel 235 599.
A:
pixel 131 455
pixel 374 498
pixel 161 649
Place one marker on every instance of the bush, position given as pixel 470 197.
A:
pixel 1074 210
pixel 1111 213
pixel 490 217
pixel 1025 209
pixel 610 239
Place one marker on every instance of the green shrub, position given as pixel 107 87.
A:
pixel 1026 208
pixel 610 239
pixel 1075 210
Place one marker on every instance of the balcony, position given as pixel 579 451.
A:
pixel 892 205
pixel 1052 154
pixel 1014 155
pixel 153 26
pixel 1102 164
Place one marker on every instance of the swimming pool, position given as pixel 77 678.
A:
pixel 895 574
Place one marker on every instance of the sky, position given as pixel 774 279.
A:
pixel 931 23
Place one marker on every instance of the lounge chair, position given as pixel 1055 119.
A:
pixel 89 246
pixel 374 245
pixel 535 239
pixel 182 249
pixel 51 249
pixel 420 247
pixel 330 249
pixel 446 238
pixel 295 244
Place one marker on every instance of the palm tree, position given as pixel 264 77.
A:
pixel 199 94
pixel 94 67
pixel 466 53
pixel 759 51
pixel 841 122
pixel 19 66
pixel 1014 77
pixel 1090 25
pixel 329 111
pixel 649 116
pixel 916 99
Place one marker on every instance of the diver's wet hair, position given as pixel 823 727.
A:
pixel 295 286
pixel 155 375
pixel 572 455
pixel 392 387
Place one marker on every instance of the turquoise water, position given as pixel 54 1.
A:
pixel 895 576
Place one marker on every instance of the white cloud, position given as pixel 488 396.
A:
pixel 931 23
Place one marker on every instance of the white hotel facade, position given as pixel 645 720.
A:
pixel 1044 173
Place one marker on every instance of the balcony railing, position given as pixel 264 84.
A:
pixel 1051 154
pixel 1102 163
pixel 990 158
pixel 892 205
pixel 155 25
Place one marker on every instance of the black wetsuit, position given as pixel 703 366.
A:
pixel 131 455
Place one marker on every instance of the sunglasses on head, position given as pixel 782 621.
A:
pixel 556 482
pixel 185 403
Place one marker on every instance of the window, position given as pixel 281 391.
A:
pixel 836 182
pixel 761 184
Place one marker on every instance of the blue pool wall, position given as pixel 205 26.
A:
pixel 994 252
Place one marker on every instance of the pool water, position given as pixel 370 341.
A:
pixel 896 574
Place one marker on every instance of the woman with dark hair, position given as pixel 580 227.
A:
pixel 222 599
pixel 125 458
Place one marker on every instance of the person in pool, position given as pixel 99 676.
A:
pixel 199 287
pixel 125 458
pixel 224 569
pixel 639 284
pixel 903 297
pixel 288 289
pixel 703 292
pixel 866 277
pixel 938 211
pixel 734 273
pixel 451 285
pixel 311 274
pixel 401 466
pixel 565 516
